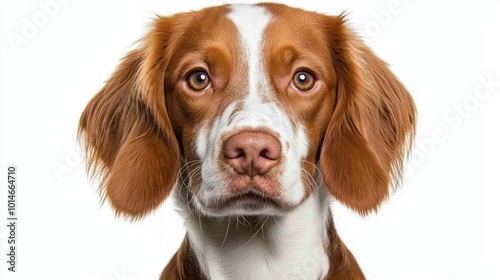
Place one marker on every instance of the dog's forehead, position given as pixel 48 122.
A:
pixel 251 21
pixel 245 33
pixel 274 33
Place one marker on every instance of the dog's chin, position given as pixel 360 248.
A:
pixel 246 204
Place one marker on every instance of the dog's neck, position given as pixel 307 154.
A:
pixel 291 246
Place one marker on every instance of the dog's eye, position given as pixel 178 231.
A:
pixel 303 80
pixel 198 80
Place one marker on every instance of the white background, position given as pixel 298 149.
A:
pixel 443 223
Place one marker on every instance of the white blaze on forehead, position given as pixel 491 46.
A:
pixel 251 22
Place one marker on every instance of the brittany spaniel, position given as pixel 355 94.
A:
pixel 253 118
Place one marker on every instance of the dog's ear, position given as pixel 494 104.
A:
pixel 126 131
pixel 372 125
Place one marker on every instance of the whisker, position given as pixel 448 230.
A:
pixel 185 167
pixel 184 187
pixel 227 231
pixel 186 182
pixel 318 182
pixel 199 220
pixel 245 220
pixel 309 179
pixel 258 230
pixel 276 221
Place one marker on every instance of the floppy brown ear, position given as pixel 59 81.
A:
pixel 128 136
pixel 371 128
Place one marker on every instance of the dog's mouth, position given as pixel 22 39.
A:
pixel 249 200
pixel 242 195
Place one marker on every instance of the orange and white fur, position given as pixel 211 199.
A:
pixel 253 118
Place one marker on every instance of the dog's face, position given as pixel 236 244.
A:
pixel 251 103
pixel 239 105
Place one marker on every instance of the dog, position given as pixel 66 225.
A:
pixel 254 118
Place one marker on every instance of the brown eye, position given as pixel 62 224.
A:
pixel 303 80
pixel 198 80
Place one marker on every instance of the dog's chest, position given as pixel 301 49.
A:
pixel 289 247
pixel 256 262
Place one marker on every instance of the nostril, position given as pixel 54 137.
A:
pixel 232 152
pixel 240 153
pixel 267 154
pixel 263 153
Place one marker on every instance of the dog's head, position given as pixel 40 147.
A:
pixel 240 105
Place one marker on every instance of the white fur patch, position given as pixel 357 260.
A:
pixel 282 247
pixel 251 22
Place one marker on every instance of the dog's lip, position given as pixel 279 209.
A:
pixel 250 201
pixel 251 197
